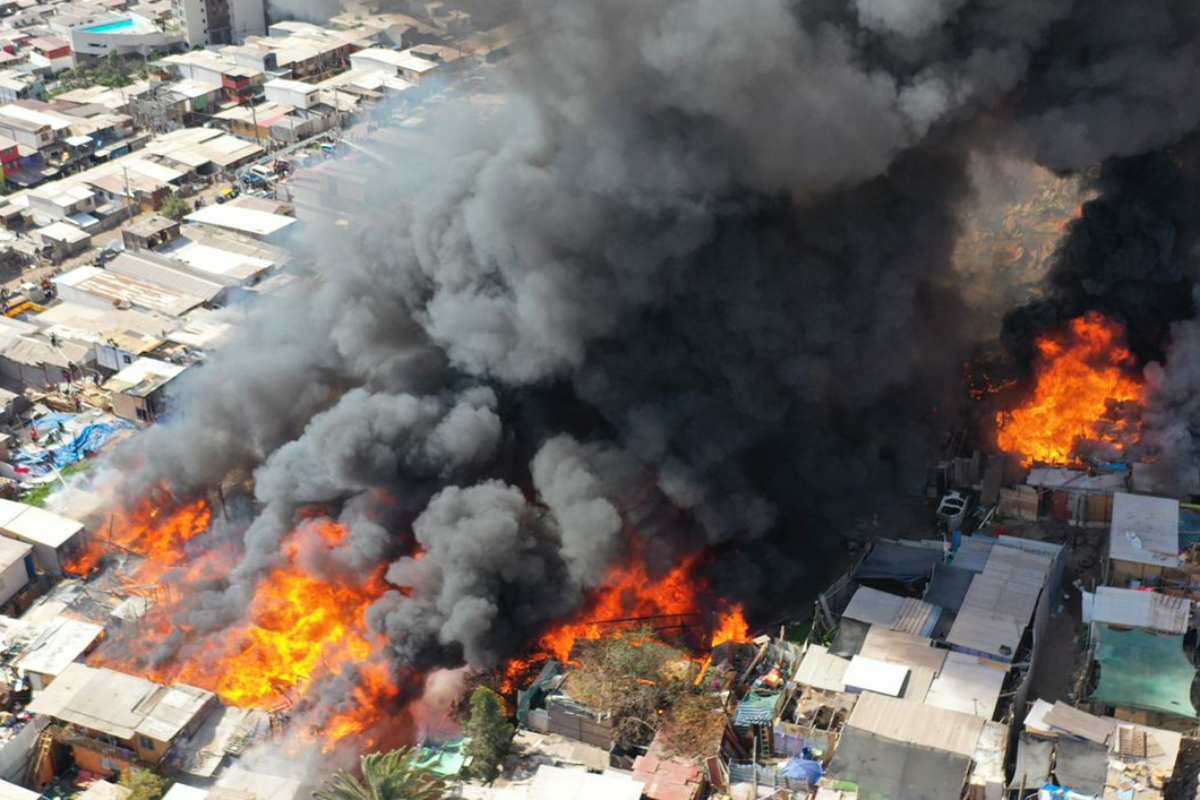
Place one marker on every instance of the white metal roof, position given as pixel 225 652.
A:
pixel 995 595
pixel 821 670
pixel 63 232
pixel 117 704
pixel 916 723
pixel 902 648
pixel 290 85
pixel 10 791
pixel 968 684
pixel 179 791
pixel 871 675
pixel 36 525
pixel 257 223
pixel 556 783
pixel 141 370
pixel 1145 530
pixel 906 614
pixel 12 551
pixel 1137 609
pixel 981 632
pixel 58 645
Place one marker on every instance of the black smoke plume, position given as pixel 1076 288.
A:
pixel 690 283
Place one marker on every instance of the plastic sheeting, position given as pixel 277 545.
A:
pixel 87 441
pixel 948 587
pixel 885 769
pixel 892 561
pixel 1082 766
pixel 803 769
pixel 1144 670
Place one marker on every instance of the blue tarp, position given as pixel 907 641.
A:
pixel 86 442
pixel 803 769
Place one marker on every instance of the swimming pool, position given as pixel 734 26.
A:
pixel 111 27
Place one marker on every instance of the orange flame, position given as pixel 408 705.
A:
pixel 140 530
pixel 299 629
pixel 630 598
pixel 1082 373
pixel 732 627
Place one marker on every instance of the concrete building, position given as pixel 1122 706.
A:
pixel 50 53
pixel 18 85
pixel 138 391
pixel 404 64
pixel 296 94
pixel 64 240
pixel 208 22
pixel 123 34
pixel 149 233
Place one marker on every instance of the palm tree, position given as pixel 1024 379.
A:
pixel 385 776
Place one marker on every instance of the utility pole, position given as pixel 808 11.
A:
pixel 254 116
pixel 128 194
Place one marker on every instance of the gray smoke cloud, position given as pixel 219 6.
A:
pixel 690 284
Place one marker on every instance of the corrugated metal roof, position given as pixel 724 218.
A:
pixel 968 684
pixel 1145 530
pixel 906 614
pixel 1001 596
pixel 902 648
pixel 821 670
pixel 916 723
pixel 1135 609
pixel 973 553
pixel 980 632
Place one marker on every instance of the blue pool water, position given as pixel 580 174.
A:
pixel 111 27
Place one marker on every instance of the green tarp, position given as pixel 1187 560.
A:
pixel 1144 670
pixel 445 760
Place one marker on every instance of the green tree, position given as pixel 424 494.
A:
pixel 144 784
pixel 491 734
pixel 389 776
pixel 174 206
pixel 635 679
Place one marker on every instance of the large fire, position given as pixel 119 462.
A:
pixel 631 598
pixel 1083 378
pixel 299 630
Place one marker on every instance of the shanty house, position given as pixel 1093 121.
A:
pixel 16 567
pixel 149 232
pixel 138 391
pixel 1143 540
pixel 55 539
pixel 904 749
pixel 111 722
pixel 1130 608
pixel 64 240
pixel 58 645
